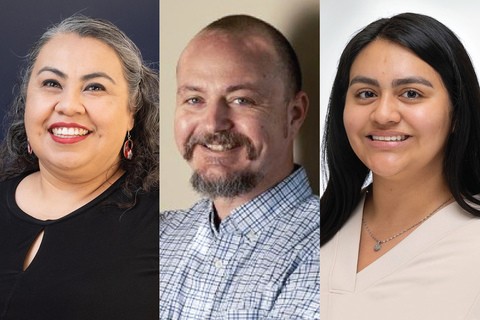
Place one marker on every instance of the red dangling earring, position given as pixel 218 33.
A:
pixel 128 147
pixel 29 148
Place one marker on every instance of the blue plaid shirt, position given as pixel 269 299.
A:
pixel 262 263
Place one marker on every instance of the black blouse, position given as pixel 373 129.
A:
pixel 98 262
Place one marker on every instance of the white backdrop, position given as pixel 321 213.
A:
pixel 341 19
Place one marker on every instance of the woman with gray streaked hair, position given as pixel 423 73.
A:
pixel 79 180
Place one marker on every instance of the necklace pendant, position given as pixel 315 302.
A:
pixel 377 246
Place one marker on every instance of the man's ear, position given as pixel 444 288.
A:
pixel 297 111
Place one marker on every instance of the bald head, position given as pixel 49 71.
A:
pixel 239 107
pixel 256 35
pixel 251 52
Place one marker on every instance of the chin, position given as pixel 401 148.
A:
pixel 65 163
pixel 386 172
pixel 385 167
pixel 217 173
pixel 218 168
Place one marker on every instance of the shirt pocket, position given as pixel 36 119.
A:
pixel 256 298
pixel 241 314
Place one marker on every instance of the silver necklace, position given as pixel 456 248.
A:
pixel 378 243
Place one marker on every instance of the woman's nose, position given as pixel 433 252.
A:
pixel 70 103
pixel 386 111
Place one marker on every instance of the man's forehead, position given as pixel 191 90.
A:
pixel 212 57
pixel 246 42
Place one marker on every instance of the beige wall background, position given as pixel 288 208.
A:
pixel 179 22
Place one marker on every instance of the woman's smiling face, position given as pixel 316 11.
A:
pixel 77 108
pixel 397 112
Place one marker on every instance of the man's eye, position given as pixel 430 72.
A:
pixel 193 100
pixel 243 101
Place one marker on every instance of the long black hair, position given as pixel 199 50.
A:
pixel 438 46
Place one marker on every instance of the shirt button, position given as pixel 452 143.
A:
pixel 252 236
pixel 218 263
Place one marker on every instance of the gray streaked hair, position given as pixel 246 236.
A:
pixel 142 171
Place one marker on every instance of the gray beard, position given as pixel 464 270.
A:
pixel 231 186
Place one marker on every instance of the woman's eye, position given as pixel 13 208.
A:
pixel 366 94
pixel 95 87
pixel 51 84
pixel 411 94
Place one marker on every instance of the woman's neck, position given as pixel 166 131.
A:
pixel 394 209
pixel 44 195
pixel 398 203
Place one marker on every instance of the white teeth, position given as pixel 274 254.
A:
pixel 63 131
pixel 391 138
pixel 219 147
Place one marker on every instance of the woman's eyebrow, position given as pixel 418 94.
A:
pixel 84 78
pixel 411 80
pixel 98 75
pixel 395 82
pixel 363 79
pixel 53 70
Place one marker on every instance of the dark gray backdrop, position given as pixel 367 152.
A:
pixel 22 22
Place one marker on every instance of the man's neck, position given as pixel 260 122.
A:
pixel 224 206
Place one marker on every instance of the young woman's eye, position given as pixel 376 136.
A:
pixel 366 94
pixel 95 87
pixel 51 84
pixel 411 94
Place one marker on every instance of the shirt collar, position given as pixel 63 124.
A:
pixel 256 214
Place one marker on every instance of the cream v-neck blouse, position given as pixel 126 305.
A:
pixel 433 274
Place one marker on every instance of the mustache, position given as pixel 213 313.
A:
pixel 230 138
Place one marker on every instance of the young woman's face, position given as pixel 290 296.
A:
pixel 397 112
pixel 77 112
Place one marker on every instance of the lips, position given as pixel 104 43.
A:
pixel 68 133
pixel 219 147
pixel 222 141
pixel 65 132
pixel 394 138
